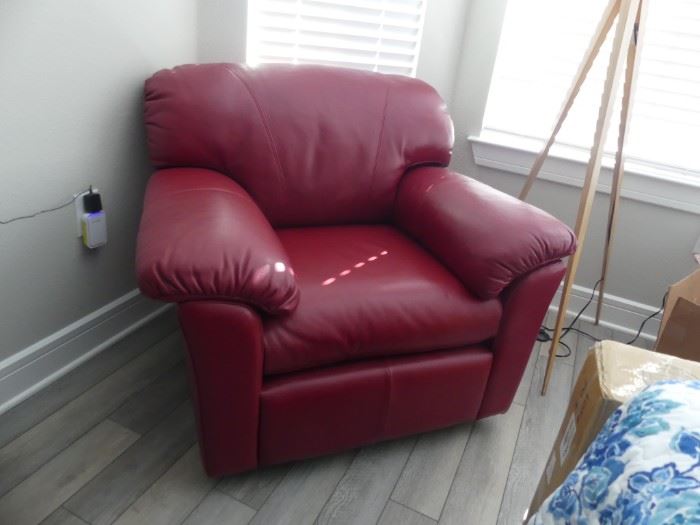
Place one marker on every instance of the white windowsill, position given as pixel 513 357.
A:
pixel 567 165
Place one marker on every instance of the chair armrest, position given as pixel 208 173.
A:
pixel 202 237
pixel 485 237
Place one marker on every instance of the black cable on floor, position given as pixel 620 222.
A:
pixel 641 326
pixel 544 336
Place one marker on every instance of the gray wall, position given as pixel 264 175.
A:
pixel 653 244
pixel 221 30
pixel 441 48
pixel 71 83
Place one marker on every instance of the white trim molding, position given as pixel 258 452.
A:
pixel 41 363
pixel 619 314
pixel 662 186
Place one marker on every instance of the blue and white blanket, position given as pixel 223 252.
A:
pixel 642 469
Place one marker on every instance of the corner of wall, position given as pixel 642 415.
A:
pixel 221 31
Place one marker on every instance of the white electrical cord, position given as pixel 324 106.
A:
pixel 47 210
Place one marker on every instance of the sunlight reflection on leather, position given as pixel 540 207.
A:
pixel 358 265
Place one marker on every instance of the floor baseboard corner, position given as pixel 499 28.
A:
pixel 41 363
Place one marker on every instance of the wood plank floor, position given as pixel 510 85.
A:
pixel 114 442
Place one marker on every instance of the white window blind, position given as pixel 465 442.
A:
pixel 375 35
pixel 542 44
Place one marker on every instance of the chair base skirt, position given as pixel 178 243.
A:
pixel 328 410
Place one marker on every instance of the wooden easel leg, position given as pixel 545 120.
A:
pixel 599 36
pixel 633 55
pixel 623 34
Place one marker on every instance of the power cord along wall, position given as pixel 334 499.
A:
pixel 47 210
pixel 545 336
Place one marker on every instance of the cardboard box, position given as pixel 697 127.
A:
pixel 679 334
pixel 612 374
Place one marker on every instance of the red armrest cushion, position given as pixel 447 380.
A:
pixel 203 237
pixel 485 237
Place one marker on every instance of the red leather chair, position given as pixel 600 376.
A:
pixel 336 283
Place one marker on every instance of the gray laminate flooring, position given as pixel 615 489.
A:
pixel 114 441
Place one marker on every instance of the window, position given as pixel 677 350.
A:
pixel 542 44
pixel 375 35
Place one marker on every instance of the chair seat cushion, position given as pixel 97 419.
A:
pixel 370 291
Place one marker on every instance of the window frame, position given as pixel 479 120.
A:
pixel 658 185
pixel 644 181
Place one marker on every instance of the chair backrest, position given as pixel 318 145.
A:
pixel 313 145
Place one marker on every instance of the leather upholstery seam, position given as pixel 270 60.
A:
pixel 195 386
pixel 388 375
pixel 416 210
pixel 519 274
pixel 192 190
pixel 380 139
pixel 232 299
pixel 237 195
pixel 268 132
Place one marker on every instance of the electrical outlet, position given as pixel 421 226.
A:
pixel 80 210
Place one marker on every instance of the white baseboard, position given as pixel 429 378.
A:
pixel 618 313
pixel 41 363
